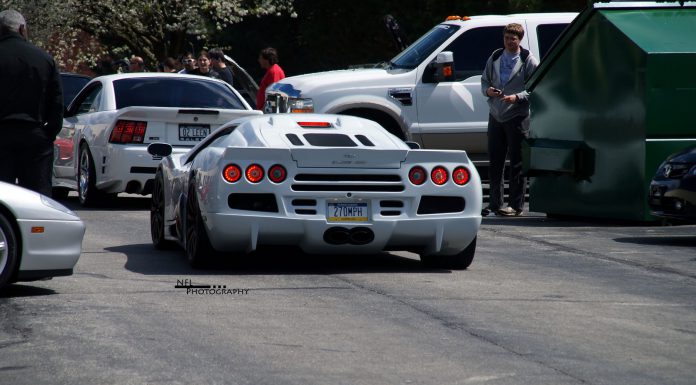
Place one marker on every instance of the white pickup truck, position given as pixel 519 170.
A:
pixel 409 97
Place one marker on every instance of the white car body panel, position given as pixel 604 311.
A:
pixel 264 141
pixel 58 247
pixel 116 164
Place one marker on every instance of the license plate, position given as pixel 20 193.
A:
pixel 347 212
pixel 193 132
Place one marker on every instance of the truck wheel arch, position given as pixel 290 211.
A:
pixel 384 119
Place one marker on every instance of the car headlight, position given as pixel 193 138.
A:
pixel 300 105
pixel 55 205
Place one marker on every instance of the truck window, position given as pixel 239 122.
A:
pixel 473 48
pixel 423 47
pixel 547 34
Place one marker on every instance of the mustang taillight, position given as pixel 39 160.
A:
pixel 128 131
pixel 254 173
pixel 439 175
pixel 232 173
pixel 417 175
pixel 461 175
pixel 277 173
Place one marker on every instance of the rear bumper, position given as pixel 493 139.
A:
pixel 436 234
pixel 128 168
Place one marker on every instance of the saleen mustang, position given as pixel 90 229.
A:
pixel 325 183
pixel 39 237
pixel 113 119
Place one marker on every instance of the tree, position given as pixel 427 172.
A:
pixel 153 29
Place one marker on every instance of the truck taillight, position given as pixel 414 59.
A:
pixel 461 175
pixel 128 131
pixel 439 175
pixel 254 173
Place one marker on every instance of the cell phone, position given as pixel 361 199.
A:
pixel 497 91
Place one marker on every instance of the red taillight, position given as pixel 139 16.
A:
pixel 314 124
pixel 254 173
pixel 461 175
pixel 232 173
pixel 439 175
pixel 128 131
pixel 277 173
pixel 417 175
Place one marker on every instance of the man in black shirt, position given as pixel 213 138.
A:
pixel 31 107
pixel 217 59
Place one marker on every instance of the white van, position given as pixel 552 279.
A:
pixel 407 96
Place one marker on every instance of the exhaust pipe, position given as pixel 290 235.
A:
pixel 336 236
pixel 361 236
pixel 355 236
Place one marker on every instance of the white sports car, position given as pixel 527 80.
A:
pixel 325 183
pixel 39 237
pixel 102 149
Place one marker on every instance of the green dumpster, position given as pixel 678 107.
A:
pixel 614 97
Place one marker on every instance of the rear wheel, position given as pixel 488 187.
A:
pixel 8 251
pixel 157 222
pixel 86 178
pixel 198 247
pixel 459 261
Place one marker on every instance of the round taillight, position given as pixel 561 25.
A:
pixel 461 175
pixel 439 175
pixel 277 173
pixel 254 173
pixel 232 173
pixel 417 175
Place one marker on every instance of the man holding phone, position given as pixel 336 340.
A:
pixel 502 82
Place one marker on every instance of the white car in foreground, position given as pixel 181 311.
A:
pixel 39 237
pixel 325 183
pixel 112 120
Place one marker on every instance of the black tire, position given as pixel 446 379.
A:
pixel 157 222
pixel 60 193
pixel 86 177
pixel 9 253
pixel 198 248
pixel 459 261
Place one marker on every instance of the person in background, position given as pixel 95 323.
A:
pixel 268 60
pixel 189 63
pixel 502 82
pixel 136 64
pixel 169 65
pixel 217 61
pixel 204 67
pixel 31 107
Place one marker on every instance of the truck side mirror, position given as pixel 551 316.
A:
pixel 444 67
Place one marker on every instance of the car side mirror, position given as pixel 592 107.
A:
pixel 159 149
pixel 413 145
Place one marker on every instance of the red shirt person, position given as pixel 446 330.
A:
pixel 268 60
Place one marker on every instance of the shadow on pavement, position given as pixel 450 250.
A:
pixel 661 240
pixel 18 290
pixel 144 259
pixel 533 219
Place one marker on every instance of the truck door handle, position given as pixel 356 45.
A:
pixel 403 95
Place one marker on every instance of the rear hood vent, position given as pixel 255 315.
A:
pixel 348 157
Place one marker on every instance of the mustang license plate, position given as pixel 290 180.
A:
pixel 347 212
pixel 193 132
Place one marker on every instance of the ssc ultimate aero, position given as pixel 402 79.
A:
pixel 326 183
